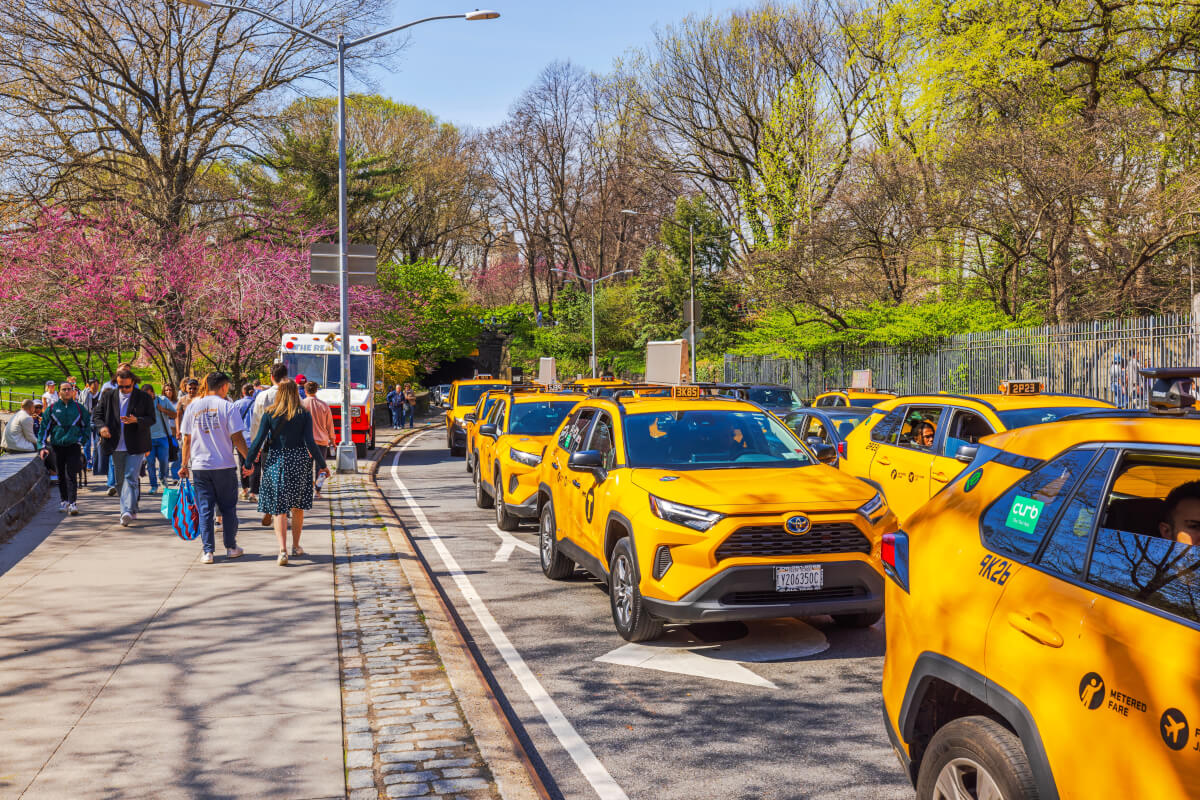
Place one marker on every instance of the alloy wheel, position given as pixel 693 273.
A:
pixel 965 779
pixel 622 588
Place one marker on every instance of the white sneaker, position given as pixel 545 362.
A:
pixel 282 560
pixel 207 558
pixel 62 507
pixel 73 509
pixel 234 552
pixel 126 519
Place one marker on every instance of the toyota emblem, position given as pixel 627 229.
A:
pixel 797 525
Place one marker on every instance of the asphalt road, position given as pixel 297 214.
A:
pixel 777 709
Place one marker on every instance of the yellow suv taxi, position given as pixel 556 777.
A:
pixel 704 508
pixel 511 441
pixel 857 398
pixel 473 419
pixel 912 446
pixel 1043 613
pixel 463 397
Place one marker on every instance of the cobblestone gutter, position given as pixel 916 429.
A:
pixel 405 734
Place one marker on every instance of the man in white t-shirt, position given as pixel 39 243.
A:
pixel 211 428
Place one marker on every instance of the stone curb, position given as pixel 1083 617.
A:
pixel 513 771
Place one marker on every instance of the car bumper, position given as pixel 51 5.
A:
pixel 748 592
pixel 458 437
pixel 526 510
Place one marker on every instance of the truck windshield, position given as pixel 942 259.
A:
pixel 310 365
pixel 360 369
pixel 468 395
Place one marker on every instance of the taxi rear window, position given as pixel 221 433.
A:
pixel 1024 417
pixel 865 402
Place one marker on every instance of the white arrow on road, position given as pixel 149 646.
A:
pixel 680 652
pixel 509 543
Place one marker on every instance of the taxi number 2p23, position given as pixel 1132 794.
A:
pixel 994 569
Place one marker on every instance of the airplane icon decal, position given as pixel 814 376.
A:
pixel 1174 729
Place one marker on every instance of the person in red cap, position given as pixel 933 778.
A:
pixel 300 381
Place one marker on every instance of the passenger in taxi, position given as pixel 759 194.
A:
pixel 1182 523
pixel 923 434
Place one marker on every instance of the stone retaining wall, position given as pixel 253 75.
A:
pixel 24 486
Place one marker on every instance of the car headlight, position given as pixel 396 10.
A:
pixel 355 411
pixel 522 457
pixel 874 509
pixel 696 518
pixel 458 425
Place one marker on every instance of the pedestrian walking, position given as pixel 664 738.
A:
pixel 19 434
pixel 410 405
pixel 287 486
pixel 1116 380
pixel 262 401
pixel 212 430
pixel 123 418
pixel 160 439
pixel 50 396
pixel 244 406
pixel 88 397
pixel 395 402
pixel 66 427
pixel 1135 381
pixel 322 419
pixel 301 381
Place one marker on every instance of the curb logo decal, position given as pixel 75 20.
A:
pixel 797 525
pixel 1091 691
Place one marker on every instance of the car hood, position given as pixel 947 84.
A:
pixel 528 444
pixel 816 488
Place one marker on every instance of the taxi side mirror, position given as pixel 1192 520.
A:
pixel 488 430
pixel 586 461
pixel 966 453
pixel 469 417
pixel 826 453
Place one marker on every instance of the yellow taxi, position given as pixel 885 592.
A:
pixel 856 398
pixel 462 399
pixel 474 418
pixel 912 446
pixel 1043 613
pixel 511 441
pixel 697 508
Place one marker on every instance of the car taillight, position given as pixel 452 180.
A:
pixel 893 552
pixel 842 449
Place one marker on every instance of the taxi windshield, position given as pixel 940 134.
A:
pixel 773 397
pixel 469 395
pixel 1023 417
pixel 865 402
pixel 539 419
pixel 716 439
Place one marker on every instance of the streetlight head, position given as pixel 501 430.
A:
pixel 204 5
pixel 630 212
pixel 471 16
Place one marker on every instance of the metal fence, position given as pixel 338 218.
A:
pixel 1097 359
pixel 11 401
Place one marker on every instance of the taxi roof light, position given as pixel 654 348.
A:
pixel 1016 388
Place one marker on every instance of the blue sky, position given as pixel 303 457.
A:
pixel 470 72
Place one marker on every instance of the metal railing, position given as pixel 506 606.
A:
pixel 1078 358
pixel 11 401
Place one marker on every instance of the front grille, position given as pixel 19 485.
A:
pixel 768 598
pixel 773 540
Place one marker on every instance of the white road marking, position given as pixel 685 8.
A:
pixel 679 651
pixel 579 750
pixel 509 543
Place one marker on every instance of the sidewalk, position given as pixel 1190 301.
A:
pixel 129 669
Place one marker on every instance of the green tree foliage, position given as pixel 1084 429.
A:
pixel 427 296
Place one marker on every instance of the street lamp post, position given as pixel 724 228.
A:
pixel 347 457
pixel 691 284
pixel 592 286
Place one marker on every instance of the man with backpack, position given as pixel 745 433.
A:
pixel 66 425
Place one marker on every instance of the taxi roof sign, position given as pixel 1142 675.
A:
pixel 547 371
pixel 1174 388
pixel 1020 388
pixel 861 379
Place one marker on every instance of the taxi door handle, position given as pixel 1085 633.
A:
pixel 884 460
pixel 1037 628
pixel 554 464
pixel 575 484
pixel 941 477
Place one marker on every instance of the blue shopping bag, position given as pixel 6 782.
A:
pixel 185 515
pixel 169 497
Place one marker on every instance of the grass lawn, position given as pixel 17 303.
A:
pixel 25 374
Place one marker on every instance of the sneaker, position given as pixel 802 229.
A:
pixel 207 558
pixel 234 552
pixel 112 491
pixel 126 519
pixel 73 509
pixel 62 507
pixel 298 551
pixel 153 490
pixel 282 560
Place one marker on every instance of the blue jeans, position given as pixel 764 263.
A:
pixel 128 466
pixel 159 449
pixel 406 413
pixel 397 416
pixel 217 489
pixel 87 451
pixel 112 473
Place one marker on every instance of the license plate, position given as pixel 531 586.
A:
pixel 799 578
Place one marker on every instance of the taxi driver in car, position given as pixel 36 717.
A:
pixel 1182 523
pixel 923 433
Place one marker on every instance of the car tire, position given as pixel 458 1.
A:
pixel 864 620
pixel 458 452
pixel 504 520
pixel 972 751
pixel 471 462
pixel 555 565
pixel 632 620
pixel 482 498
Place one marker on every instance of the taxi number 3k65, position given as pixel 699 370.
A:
pixel 994 569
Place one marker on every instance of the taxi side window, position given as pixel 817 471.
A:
pixel 966 427
pixel 886 429
pixel 494 416
pixel 1065 552
pixel 564 436
pixel 604 441
pixel 1017 521
pixel 920 427
pixel 573 434
pixel 816 428
pixel 832 400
